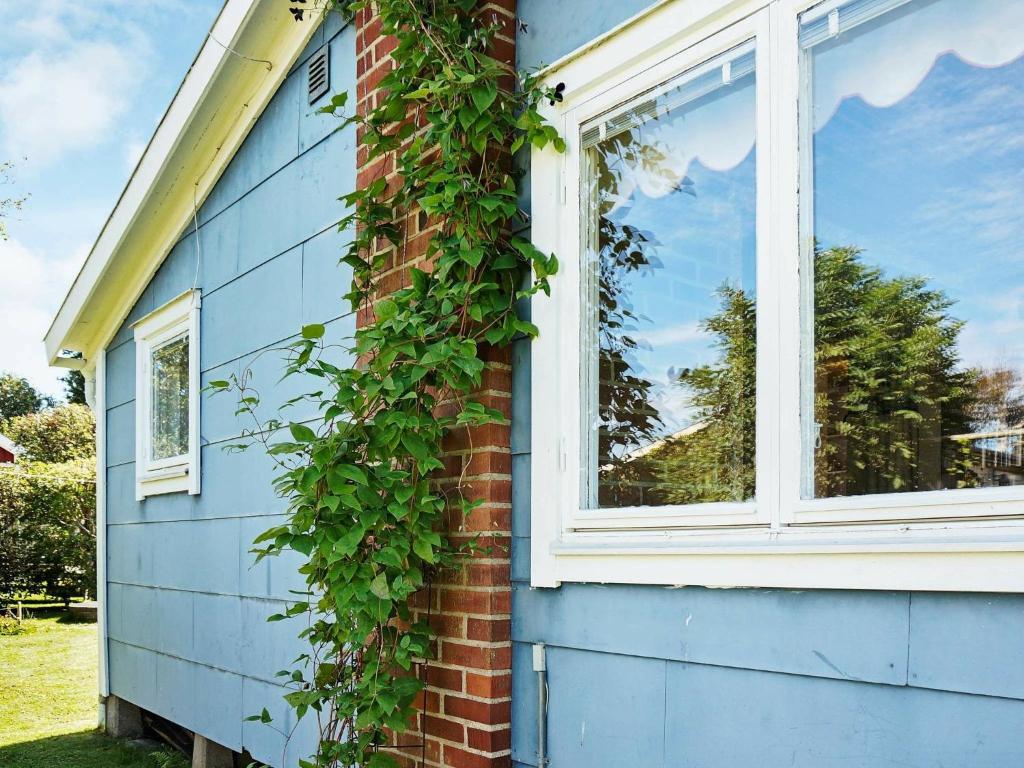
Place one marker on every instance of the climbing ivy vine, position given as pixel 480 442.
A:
pixel 365 509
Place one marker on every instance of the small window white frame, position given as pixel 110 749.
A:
pixel 949 540
pixel 174 320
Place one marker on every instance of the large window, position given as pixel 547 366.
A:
pixel 790 319
pixel 167 400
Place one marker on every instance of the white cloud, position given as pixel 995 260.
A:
pixel 30 291
pixel 56 102
pixel 80 83
pixel 718 133
pixel 683 333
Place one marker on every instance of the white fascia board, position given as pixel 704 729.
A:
pixel 216 105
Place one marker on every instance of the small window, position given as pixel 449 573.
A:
pixel 167 401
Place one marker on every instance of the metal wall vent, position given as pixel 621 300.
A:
pixel 318 74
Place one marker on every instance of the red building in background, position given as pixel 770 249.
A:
pixel 7 450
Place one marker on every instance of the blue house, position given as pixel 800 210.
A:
pixel 766 454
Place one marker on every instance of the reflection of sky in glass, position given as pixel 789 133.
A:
pixel 705 236
pixel 705 242
pixel 934 186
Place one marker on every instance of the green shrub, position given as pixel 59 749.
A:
pixel 9 626
pixel 48 529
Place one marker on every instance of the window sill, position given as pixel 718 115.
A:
pixel 164 480
pixel 977 556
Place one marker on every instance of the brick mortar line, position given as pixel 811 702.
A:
pixel 471 697
pixel 484 645
pixel 500 449
pixel 464 745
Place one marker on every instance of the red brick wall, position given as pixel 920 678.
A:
pixel 465 719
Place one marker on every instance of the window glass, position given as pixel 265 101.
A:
pixel 169 395
pixel 913 356
pixel 669 271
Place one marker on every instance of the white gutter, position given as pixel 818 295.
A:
pixel 96 396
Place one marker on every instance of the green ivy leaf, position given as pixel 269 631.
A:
pixel 483 96
pixel 385 309
pixel 379 586
pixel 302 433
pixel 424 549
pixel 302 543
pixel 352 472
pixel 416 446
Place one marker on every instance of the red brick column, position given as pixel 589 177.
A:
pixel 465 719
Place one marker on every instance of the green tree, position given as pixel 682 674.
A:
pixel 18 397
pixel 55 435
pixel 74 387
pixel 74 382
pixel 889 389
pixel 48 529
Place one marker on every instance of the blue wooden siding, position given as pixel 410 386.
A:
pixel 649 676
pixel 187 610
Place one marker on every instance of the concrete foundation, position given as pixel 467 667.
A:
pixel 210 754
pixel 123 719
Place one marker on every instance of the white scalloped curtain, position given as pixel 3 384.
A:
pixel 716 131
pixel 889 64
pixel 881 68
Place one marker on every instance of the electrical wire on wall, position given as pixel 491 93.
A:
pixel 195 224
pixel 195 185
pixel 229 49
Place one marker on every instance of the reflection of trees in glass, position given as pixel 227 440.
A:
pixel 713 460
pixel 627 418
pixel 889 392
pixel 170 400
pixel 896 412
pixel 999 399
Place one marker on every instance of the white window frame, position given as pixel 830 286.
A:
pixel 178 318
pixel 949 540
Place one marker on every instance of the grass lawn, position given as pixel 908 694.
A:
pixel 48 701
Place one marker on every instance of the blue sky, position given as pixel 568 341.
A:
pixel 934 186
pixel 82 87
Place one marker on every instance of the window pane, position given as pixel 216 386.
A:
pixel 169 417
pixel 669 320
pixel 914 320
